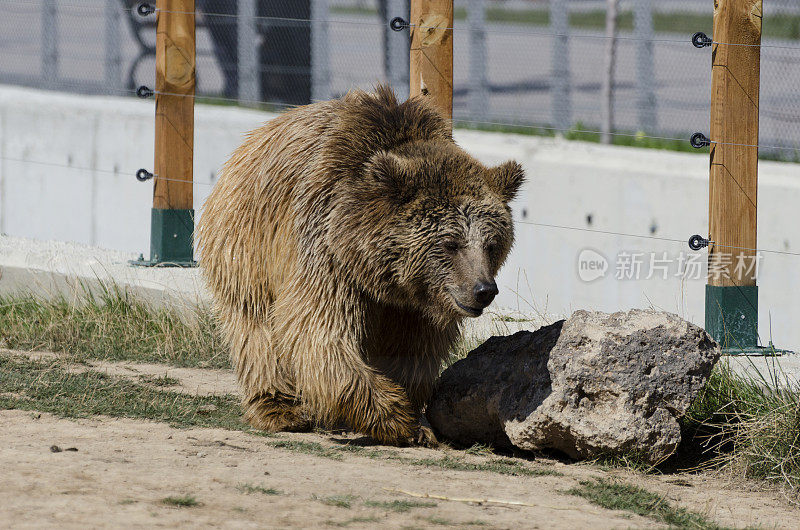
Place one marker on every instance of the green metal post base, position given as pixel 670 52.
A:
pixel 170 239
pixel 732 320
pixel 732 317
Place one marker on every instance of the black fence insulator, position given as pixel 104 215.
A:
pixel 696 242
pixel 701 40
pixel 699 140
pixel 398 24
pixel 144 92
pixel 143 175
pixel 144 9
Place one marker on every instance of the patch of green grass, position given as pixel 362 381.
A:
pixel 502 466
pixel 162 380
pixel 626 497
pixel 461 348
pixel 111 324
pixel 352 520
pixel 774 26
pixel 631 461
pixel 340 501
pixel 507 318
pixel 184 501
pixel 508 128
pixel 309 448
pixel 251 488
pixel 45 386
pixel 363 451
pixel 440 521
pixel 749 425
pixel 220 100
pixel 580 132
pixel 532 17
pixel 480 449
pixel 353 10
pixel 400 506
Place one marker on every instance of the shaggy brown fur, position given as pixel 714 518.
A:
pixel 343 244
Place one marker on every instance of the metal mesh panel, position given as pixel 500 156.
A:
pixel 523 62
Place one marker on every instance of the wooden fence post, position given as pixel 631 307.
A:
pixel 431 61
pixel 731 293
pixel 172 220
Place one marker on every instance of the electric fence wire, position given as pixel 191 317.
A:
pixel 455 121
pixel 524 222
pixel 467 121
pixel 341 21
pixel 463 121
pixel 726 275
pixel 267 103
pixel 657 238
pixel 531 223
pixel 94 170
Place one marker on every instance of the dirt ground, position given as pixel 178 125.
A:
pixel 123 470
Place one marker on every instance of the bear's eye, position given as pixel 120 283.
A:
pixel 450 245
pixel 491 247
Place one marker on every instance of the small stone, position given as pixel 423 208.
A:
pixel 208 408
pixel 593 385
pixel 55 449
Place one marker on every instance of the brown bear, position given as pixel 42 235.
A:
pixel 343 245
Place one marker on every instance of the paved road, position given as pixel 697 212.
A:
pixel 518 71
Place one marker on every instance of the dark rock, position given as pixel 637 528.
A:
pixel 595 384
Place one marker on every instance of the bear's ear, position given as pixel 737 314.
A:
pixel 390 177
pixel 506 179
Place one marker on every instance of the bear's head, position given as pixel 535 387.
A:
pixel 434 227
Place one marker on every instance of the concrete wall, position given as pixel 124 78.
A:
pixel 115 136
pixel 581 188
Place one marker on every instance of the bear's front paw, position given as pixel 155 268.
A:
pixel 425 438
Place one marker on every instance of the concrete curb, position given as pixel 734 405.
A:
pixel 53 268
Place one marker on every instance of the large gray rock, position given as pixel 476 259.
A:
pixel 595 384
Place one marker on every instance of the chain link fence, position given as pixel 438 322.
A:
pixel 518 64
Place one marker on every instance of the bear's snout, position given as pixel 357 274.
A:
pixel 485 292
